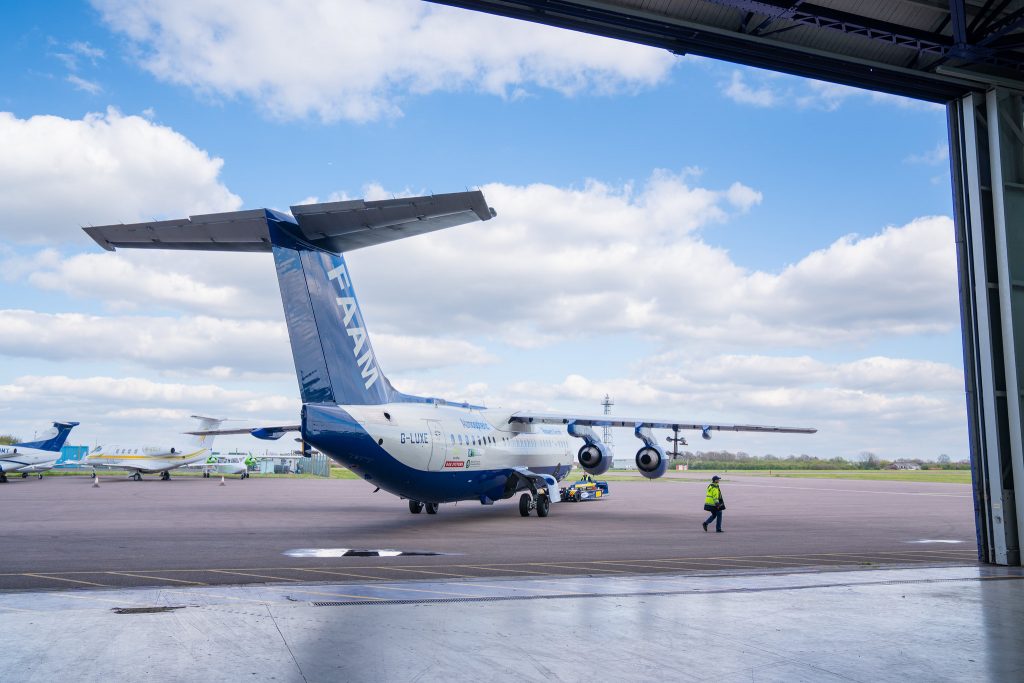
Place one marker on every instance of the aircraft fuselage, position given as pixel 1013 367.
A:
pixel 436 453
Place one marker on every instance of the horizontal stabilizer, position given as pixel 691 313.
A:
pixel 335 226
pixel 634 422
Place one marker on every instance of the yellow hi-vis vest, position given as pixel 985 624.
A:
pixel 714 495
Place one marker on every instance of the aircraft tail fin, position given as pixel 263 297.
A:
pixel 205 424
pixel 53 439
pixel 334 360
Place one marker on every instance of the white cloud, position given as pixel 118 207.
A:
pixel 220 349
pixel 771 89
pixel 133 408
pixel 91 87
pixel 156 342
pixel 739 91
pixel 57 174
pixel 936 156
pixel 600 259
pixel 355 60
pixel 86 50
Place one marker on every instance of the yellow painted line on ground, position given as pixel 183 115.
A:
pixel 231 597
pixel 331 595
pixel 544 591
pixel 422 590
pixel 624 563
pixel 18 609
pixel 424 571
pixel 159 578
pixel 503 569
pixel 579 569
pixel 58 578
pixel 259 576
pixel 339 573
pixel 93 598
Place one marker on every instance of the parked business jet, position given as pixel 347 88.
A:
pixel 426 450
pixel 141 460
pixel 29 456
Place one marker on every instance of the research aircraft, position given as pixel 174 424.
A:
pixel 425 450
pixel 139 460
pixel 35 456
pixel 232 463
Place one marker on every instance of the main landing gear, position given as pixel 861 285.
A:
pixel 415 507
pixel 137 476
pixel 541 503
pixel 165 476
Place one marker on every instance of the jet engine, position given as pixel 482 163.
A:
pixel 650 459
pixel 593 455
pixel 594 458
pixel 651 462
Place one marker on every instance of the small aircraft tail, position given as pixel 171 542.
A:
pixel 334 360
pixel 205 424
pixel 53 439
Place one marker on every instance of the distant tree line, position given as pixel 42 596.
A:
pixel 708 460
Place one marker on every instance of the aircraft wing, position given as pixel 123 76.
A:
pixel 528 417
pixel 334 226
pixel 267 433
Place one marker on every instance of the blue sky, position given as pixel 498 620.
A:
pixel 699 239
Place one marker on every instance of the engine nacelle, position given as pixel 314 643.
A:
pixel 267 434
pixel 593 455
pixel 651 461
pixel 594 458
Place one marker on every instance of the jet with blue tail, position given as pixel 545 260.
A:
pixel 426 450
pixel 36 456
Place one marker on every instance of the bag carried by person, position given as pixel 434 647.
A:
pixel 709 507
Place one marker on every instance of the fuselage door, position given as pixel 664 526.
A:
pixel 438 446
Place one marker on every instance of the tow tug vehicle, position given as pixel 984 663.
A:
pixel 584 490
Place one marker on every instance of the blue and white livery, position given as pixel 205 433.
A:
pixel 426 450
pixel 35 456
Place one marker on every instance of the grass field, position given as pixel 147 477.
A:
pixel 336 473
pixel 701 476
pixel 937 476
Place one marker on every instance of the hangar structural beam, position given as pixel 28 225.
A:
pixel 987 160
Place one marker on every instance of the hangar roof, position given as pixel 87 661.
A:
pixel 931 49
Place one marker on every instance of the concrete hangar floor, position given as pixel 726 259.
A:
pixel 814 580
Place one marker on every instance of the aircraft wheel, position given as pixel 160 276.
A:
pixel 136 477
pixel 3 478
pixel 525 503
pixel 415 507
pixel 24 475
pixel 543 506
pixel 165 476
pixel 431 508
pixel 40 475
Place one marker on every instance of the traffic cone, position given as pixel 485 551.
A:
pixel 95 480
pixel 222 480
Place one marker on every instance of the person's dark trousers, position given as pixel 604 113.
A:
pixel 716 515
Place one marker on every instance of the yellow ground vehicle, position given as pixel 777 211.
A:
pixel 584 490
